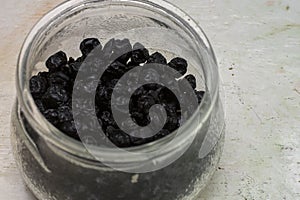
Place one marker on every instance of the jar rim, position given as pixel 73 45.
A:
pixel 70 145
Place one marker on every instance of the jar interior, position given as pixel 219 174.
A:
pixel 148 24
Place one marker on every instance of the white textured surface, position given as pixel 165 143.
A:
pixel 257 44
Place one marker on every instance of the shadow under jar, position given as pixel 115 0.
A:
pixel 55 166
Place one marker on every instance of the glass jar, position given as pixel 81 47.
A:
pixel 55 166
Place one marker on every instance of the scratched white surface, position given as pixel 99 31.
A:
pixel 257 44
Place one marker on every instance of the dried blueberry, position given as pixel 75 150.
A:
pixel 107 118
pixel 179 64
pixel 88 44
pixel 140 118
pixel 139 54
pixel 58 78
pixel 71 60
pixel 55 96
pixel 157 58
pixel 51 115
pixel 69 129
pixel 75 66
pixel 56 61
pixel 192 80
pixel 118 137
pixel 64 114
pixel 38 85
pixel 117 69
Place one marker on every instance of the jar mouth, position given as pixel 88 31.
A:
pixel 74 147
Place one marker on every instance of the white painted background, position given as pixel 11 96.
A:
pixel 257 44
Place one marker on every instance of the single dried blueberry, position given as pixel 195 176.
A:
pixel 145 102
pixel 107 119
pixel 56 61
pixel 71 60
pixel 67 71
pixel 69 129
pixel 88 44
pixel 157 58
pixel 38 85
pixel 173 122
pixel 116 69
pixel 118 137
pixel 139 54
pixel 52 116
pixel 64 114
pixel 179 64
pixel 192 80
pixel 55 96
pixel 44 74
pixel 58 78
pixel 80 59
pixel 75 66
pixel 140 118
pixel 166 95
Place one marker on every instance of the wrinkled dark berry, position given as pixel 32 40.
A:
pixel 75 66
pixel 69 129
pixel 172 123
pixel 140 118
pixel 38 85
pixel 139 54
pixel 145 102
pixel 118 137
pixel 52 116
pixel 88 44
pixel 64 114
pixel 107 118
pixel 117 69
pixel 80 59
pixel 71 60
pixel 58 78
pixel 44 74
pixel 179 64
pixel 192 80
pixel 157 58
pixel 103 93
pixel 56 61
pixel 55 96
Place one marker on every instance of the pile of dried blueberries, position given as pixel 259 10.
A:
pixel 52 90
